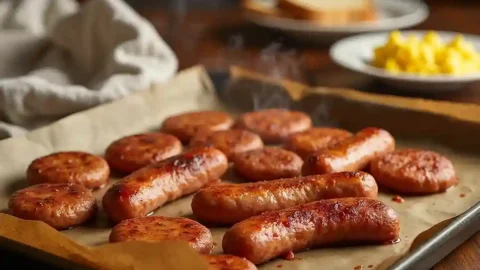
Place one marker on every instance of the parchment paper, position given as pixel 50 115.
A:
pixel 430 125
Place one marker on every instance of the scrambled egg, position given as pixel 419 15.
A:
pixel 427 56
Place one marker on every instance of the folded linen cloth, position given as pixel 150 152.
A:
pixel 57 58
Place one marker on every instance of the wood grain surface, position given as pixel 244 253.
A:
pixel 221 37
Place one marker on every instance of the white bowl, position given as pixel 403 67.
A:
pixel 393 14
pixel 356 53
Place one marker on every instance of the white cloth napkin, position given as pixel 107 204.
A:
pixel 57 59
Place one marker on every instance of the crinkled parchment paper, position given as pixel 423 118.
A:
pixel 449 128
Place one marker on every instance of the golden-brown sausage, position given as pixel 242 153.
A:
pixel 274 125
pixel 414 171
pixel 186 125
pixel 59 205
pixel 230 142
pixel 231 203
pixel 315 139
pixel 74 167
pixel 147 189
pixel 157 228
pixel 268 163
pixel 133 152
pixel 351 154
pixel 322 223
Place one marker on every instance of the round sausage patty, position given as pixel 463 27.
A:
pixel 185 126
pixel 59 205
pixel 230 142
pixel 157 228
pixel 414 171
pixel 310 141
pixel 131 153
pixel 229 262
pixel 80 168
pixel 268 163
pixel 274 125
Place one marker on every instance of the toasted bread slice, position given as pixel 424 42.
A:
pixel 329 12
pixel 264 7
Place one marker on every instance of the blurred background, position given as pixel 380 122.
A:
pixel 216 34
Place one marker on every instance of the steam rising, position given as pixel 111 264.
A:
pixel 274 61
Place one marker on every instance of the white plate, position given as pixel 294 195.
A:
pixel 356 53
pixel 393 14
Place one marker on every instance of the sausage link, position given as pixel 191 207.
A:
pixel 351 154
pixel 231 203
pixel 322 223
pixel 147 189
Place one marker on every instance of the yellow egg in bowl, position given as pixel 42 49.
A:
pixel 427 55
pixel 430 61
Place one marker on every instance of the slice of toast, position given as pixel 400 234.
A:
pixel 264 7
pixel 330 12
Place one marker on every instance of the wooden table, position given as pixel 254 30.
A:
pixel 220 38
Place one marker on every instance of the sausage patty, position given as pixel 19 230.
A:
pixel 59 205
pixel 228 262
pixel 184 126
pixel 157 228
pixel 80 168
pixel 352 154
pixel 322 223
pixel 310 141
pixel 230 142
pixel 275 125
pixel 267 163
pixel 414 171
pixel 131 153
pixel 147 189
pixel 231 203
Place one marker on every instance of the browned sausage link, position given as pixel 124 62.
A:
pixel 150 187
pixel 351 154
pixel 322 223
pixel 231 203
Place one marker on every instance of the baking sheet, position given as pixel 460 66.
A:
pixel 448 128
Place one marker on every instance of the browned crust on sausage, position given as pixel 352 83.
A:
pixel 74 167
pixel 231 203
pixel 228 262
pixel 230 142
pixel 59 205
pixel 414 171
pixel 310 141
pixel 351 154
pixel 184 126
pixel 131 153
pixel 157 228
pixel 268 163
pixel 147 189
pixel 275 125
pixel 322 223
